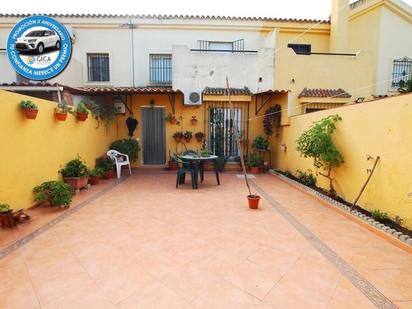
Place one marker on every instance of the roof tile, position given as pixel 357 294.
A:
pixel 223 91
pixel 324 93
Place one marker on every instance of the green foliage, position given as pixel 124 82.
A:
pixel 260 142
pixel 308 179
pixel 98 171
pixel 170 117
pixel 105 163
pixel 57 193
pixel 405 87
pixel 219 163
pixel 81 108
pixel 204 152
pixel 129 146
pixel 28 104
pixel 102 111
pixel 63 107
pixel 75 168
pixel 4 208
pixel 379 215
pixel 317 143
pixel 178 135
pixel 255 160
pixel 200 135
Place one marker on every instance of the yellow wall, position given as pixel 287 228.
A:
pixel 33 151
pixel 374 128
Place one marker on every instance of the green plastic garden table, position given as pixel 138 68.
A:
pixel 199 161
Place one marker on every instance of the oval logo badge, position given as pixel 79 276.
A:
pixel 39 47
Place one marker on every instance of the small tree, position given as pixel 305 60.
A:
pixel 317 143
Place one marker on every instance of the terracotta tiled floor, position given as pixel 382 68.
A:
pixel 144 244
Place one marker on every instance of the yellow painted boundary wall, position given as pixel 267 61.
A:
pixel 33 151
pixel 382 127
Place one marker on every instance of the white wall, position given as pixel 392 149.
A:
pixel 395 42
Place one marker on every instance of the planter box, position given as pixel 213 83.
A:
pixel 76 183
pixel 30 113
pixel 81 116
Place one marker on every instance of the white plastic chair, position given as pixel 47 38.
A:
pixel 119 159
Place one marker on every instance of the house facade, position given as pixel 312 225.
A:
pixel 179 65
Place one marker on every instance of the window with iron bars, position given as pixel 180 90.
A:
pixel 402 70
pixel 220 124
pixel 98 67
pixel 237 46
pixel 301 49
pixel 161 69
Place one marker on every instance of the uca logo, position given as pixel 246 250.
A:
pixel 30 60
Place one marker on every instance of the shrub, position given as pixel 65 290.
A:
pixel 187 134
pixel 127 146
pixel 255 160
pixel 28 104
pixel 81 108
pixel 308 179
pixel 105 163
pixel 4 208
pixel 379 215
pixel 75 168
pixel 98 171
pixel 204 152
pixel 317 143
pixel 260 142
pixel 57 193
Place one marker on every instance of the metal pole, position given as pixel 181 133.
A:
pixel 236 134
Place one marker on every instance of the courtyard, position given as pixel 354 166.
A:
pixel 141 243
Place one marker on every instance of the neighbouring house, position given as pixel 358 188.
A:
pixel 160 64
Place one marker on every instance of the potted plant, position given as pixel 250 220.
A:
pixel 81 112
pixel 56 193
pixel 178 136
pixel 75 174
pixel 61 111
pixel 199 136
pixel 95 175
pixel 188 136
pixel 253 200
pixel 29 109
pixel 171 118
pixel 106 164
pixel 255 162
pixel 193 120
pixel 6 217
pixel 260 143
pixel 129 146
pixel 172 163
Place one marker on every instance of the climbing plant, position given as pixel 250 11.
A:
pixel 271 119
pixel 405 86
pixel 317 143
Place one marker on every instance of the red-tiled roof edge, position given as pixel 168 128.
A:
pixel 177 16
pixel 269 91
pixel 135 90
pixel 324 93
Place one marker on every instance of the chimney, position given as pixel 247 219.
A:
pixel 339 26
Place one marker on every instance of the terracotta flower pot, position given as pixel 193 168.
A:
pixel 6 220
pixel 81 116
pixel 178 139
pixel 193 121
pixel 172 165
pixel 253 201
pixel 172 120
pixel 60 116
pixel 76 183
pixel 188 140
pixel 108 174
pixel 94 180
pixel 255 170
pixel 30 113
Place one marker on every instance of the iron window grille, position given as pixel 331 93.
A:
pixel 220 126
pixel 161 69
pixel 98 67
pixel 235 47
pixel 402 70
pixel 301 49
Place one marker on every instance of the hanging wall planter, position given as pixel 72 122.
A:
pixel 81 112
pixel 188 136
pixel 29 109
pixel 171 118
pixel 199 136
pixel 193 120
pixel 61 111
pixel 60 116
pixel 178 136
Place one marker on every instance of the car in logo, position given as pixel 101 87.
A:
pixel 38 41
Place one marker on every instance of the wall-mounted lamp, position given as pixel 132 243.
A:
pixel 292 80
pixel 152 103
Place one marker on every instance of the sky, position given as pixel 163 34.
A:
pixel 317 9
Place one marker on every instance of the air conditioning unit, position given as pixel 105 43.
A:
pixel 193 98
